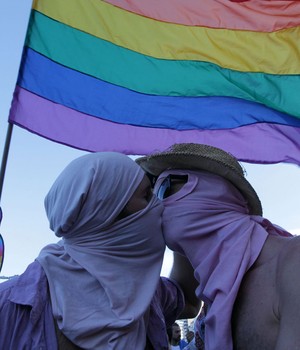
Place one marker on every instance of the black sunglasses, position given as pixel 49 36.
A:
pixel 166 187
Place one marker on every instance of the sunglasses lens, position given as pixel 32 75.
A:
pixel 171 185
pixel 164 188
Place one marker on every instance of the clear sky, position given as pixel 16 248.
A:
pixel 35 162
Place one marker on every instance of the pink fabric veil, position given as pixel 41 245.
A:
pixel 207 220
pixel 103 274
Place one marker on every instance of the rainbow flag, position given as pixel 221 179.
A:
pixel 137 76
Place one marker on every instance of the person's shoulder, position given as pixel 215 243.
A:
pixel 288 289
pixel 183 343
pixel 290 253
pixel 169 298
pixel 167 283
pixel 288 267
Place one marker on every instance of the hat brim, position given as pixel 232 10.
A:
pixel 157 163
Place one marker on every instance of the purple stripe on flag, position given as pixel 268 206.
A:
pixel 253 143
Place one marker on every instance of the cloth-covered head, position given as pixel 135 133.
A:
pixel 195 156
pixel 104 272
pixel 91 192
pixel 208 221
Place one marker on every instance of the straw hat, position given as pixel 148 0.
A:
pixel 195 156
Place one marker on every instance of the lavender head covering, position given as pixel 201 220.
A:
pixel 103 273
pixel 208 221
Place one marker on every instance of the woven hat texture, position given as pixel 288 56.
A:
pixel 194 156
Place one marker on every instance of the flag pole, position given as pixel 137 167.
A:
pixel 5 156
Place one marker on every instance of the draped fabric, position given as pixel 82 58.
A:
pixel 138 76
pixel 103 274
pixel 208 221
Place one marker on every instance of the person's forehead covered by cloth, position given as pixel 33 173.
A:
pixel 206 198
pixel 91 192
pixel 193 156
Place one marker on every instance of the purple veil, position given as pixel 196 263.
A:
pixel 103 273
pixel 208 221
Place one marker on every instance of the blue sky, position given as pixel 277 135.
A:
pixel 35 162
